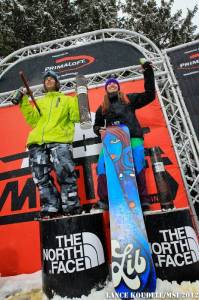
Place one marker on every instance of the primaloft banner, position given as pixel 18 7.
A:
pixel 19 198
pixel 185 63
pixel 85 59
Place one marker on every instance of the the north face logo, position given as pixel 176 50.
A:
pixel 178 247
pixel 74 253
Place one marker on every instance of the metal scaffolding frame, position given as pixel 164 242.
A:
pixel 180 127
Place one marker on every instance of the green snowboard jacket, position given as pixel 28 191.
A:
pixel 59 113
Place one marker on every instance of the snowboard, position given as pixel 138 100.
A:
pixel 84 110
pixel 132 265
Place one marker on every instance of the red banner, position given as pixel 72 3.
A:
pixel 19 198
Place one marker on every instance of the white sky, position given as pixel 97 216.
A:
pixel 184 4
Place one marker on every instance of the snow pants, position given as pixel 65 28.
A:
pixel 58 157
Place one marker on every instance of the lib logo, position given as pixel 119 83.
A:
pixel 179 247
pixel 74 253
pixel 127 265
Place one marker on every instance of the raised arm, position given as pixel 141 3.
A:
pixel 30 113
pixel 139 100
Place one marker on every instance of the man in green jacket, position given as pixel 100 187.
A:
pixel 50 146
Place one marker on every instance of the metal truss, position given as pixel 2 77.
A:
pixel 94 80
pixel 177 118
pixel 143 44
pixel 134 38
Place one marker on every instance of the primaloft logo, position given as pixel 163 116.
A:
pixel 191 65
pixel 74 253
pixel 127 265
pixel 179 247
pixel 71 63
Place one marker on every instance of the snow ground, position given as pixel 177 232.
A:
pixel 28 287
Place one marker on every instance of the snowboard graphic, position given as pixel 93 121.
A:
pixel 132 266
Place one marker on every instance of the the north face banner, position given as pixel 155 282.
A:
pixel 185 63
pixel 92 58
pixel 73 255
pixel 174 245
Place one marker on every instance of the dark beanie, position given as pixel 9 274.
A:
pixel 51 74
pixel 112 80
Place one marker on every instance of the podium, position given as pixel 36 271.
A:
pixel 174 244
pixel 74 259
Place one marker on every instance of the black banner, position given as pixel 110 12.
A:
pixel 174 245
pixel 87 59
pixel 185 62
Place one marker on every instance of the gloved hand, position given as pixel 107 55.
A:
pixel 18 94
pixel 145 64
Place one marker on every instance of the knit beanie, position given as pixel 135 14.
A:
pixel 112 80
pixel 51 74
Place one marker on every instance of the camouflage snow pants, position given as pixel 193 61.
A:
pixel 57 157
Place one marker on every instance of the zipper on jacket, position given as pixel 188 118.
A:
pixel 47 121
pixel 57 102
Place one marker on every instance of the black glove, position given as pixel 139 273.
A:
pixel 17 96
pixel 145 64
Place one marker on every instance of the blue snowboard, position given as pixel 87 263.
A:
pixel 132 266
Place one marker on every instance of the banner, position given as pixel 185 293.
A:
pixel 185 64
pixel 73 255
pixel 19 198
pixel 174 245
pixel 92 58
